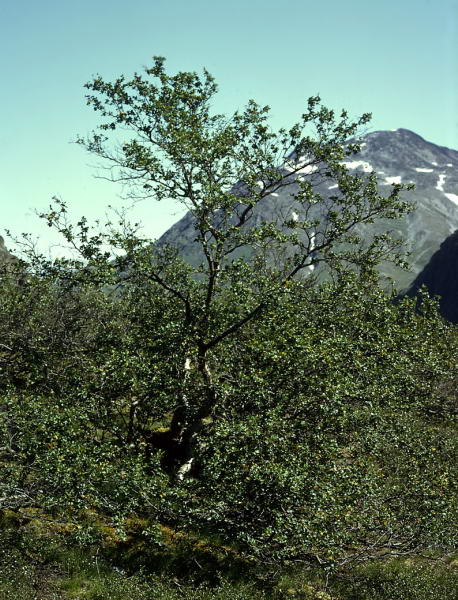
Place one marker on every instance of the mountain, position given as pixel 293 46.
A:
pixel 440 276
pixel 399 156
pixel 5 255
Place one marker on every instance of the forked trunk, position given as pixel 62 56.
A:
pixel 188 420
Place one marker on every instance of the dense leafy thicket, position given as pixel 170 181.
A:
pixel 283 418
pixel 325 445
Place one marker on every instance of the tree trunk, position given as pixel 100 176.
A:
pixel 188 421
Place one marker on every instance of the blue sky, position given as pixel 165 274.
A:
pixel 396 59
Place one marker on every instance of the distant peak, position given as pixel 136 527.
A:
pixel 400 130
pixel 409 133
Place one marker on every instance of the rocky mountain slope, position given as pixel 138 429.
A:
pixel 5 255
pixel 402 156
pixel 440 276
pixel 399 156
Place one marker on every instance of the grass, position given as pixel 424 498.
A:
pixel 36 566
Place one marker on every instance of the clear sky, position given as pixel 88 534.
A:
pixel 395 58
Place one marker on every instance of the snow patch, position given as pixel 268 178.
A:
pixel 390 180
pixel 306 169
pixel 449 165
pixel 452 197
pixel 434 163
pixel 295 216
pixel 274 194
pixel 333 187
pixel 440 182
pixel 424 170
pixel 367 168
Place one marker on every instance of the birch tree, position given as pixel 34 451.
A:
pixel 160 138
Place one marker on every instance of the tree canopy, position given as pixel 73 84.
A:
pixel 240 397
pixel 222 169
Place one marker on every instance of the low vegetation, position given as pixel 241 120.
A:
pixel 238 429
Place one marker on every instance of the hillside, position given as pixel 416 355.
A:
pixel 5 255
pixel 399 156
pixel 440 276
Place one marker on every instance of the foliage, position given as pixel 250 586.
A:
pixel 322 448
pixel 31 566
pixel 288 420
pixel 319 449
pixel 224 170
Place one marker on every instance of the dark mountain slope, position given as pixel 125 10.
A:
pixel 440 276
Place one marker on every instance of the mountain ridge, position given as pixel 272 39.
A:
pixel 399 156
pixel 440 277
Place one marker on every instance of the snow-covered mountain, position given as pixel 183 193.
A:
pixel 399 156
pixel 402 156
